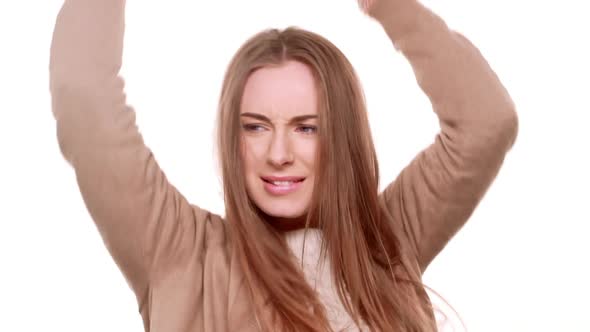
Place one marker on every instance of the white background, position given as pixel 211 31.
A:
pixel 521 262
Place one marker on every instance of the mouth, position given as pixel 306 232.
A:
pixel 282 181
pixel 282 185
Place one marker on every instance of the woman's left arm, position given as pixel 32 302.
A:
pixel 438 191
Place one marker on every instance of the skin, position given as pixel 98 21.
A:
pixel 279 138
pixel 366 5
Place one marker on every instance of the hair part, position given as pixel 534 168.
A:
pixel 359 236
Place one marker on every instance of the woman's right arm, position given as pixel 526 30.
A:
pixel 142 219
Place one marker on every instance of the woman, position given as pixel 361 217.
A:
pixel 296 154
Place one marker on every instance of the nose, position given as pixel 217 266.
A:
pixel 279 152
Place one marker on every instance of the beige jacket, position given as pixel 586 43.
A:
pixel 175 255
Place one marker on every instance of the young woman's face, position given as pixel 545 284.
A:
pixel 279 139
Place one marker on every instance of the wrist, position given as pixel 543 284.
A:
pixel 381 10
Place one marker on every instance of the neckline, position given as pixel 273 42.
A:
pixel 312 239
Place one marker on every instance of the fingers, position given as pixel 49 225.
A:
pixel 365 5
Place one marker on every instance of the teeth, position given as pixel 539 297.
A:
pixel 282 183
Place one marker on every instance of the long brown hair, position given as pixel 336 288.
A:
pixel 379 285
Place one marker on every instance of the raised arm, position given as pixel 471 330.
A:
pixel 438 191
pixel 139 215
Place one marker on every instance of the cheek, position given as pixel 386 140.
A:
pixel 308 152
pixel 252 153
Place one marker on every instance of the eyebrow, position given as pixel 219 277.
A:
pixel 295 119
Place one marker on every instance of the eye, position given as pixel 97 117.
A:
pixel 253 127
pixel 307 129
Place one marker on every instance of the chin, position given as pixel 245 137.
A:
pixel 285 219
pixel 290 206
pixel 284 212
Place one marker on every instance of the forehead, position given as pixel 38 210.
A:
pixel 281 92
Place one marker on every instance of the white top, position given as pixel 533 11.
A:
pixel 317 272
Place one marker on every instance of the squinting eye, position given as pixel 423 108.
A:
pixel 252 127
pixel 307 129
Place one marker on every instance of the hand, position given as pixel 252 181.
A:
pixel 366 5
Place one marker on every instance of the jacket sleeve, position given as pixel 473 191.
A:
pixel 141 217
pixel 438 191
